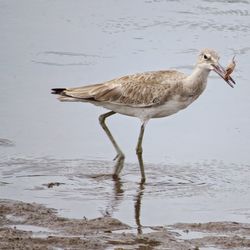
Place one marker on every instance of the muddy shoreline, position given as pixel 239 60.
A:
pixel 34 226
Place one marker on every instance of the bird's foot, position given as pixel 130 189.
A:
pixel 119 164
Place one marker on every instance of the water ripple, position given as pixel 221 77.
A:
pixel 62 64
pixel 89 183
pixel 235 12
pixel 163 180
pixel 66 58
pixel 6 143
pixel 65 53
pixel 227 1
pixel 119 25
pixel 241 51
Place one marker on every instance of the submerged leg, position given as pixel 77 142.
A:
pixel 120 156
pixel 139 152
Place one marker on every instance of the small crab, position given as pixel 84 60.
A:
pixel 230 68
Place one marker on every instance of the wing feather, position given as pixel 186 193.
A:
pixel 140 90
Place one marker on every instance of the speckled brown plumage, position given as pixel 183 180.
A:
pixel 138 90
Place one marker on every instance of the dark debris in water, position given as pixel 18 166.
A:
pixel 53 184
pixel 6 143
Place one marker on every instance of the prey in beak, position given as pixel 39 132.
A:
pixel 225 73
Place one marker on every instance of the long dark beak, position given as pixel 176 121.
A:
pixel 222 72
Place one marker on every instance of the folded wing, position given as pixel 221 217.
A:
pixel 140 90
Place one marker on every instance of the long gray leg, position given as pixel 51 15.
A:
pixel 139 152
pixel 120 156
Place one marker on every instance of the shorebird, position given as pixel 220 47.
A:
pixel 146 95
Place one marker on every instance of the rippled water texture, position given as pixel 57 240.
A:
pixel 190 193
pixel 197 161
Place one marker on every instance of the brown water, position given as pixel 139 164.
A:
pixel 197 162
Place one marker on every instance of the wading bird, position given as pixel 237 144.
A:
pixel 146 95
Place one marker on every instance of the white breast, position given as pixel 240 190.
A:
pixel 144 114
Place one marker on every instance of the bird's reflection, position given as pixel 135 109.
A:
pixel 117 197
pixel 138 198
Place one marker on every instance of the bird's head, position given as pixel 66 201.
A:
pixel 209 60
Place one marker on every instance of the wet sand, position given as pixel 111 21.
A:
pixel 33 226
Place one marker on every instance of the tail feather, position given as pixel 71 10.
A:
pixel 57 91
pixel 95 92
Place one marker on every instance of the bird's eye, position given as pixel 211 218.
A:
pixel 205 57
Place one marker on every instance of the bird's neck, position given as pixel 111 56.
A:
pixel 198 78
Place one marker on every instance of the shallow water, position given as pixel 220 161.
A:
pixel 197 161
pixel 173 193
pixel 39 232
